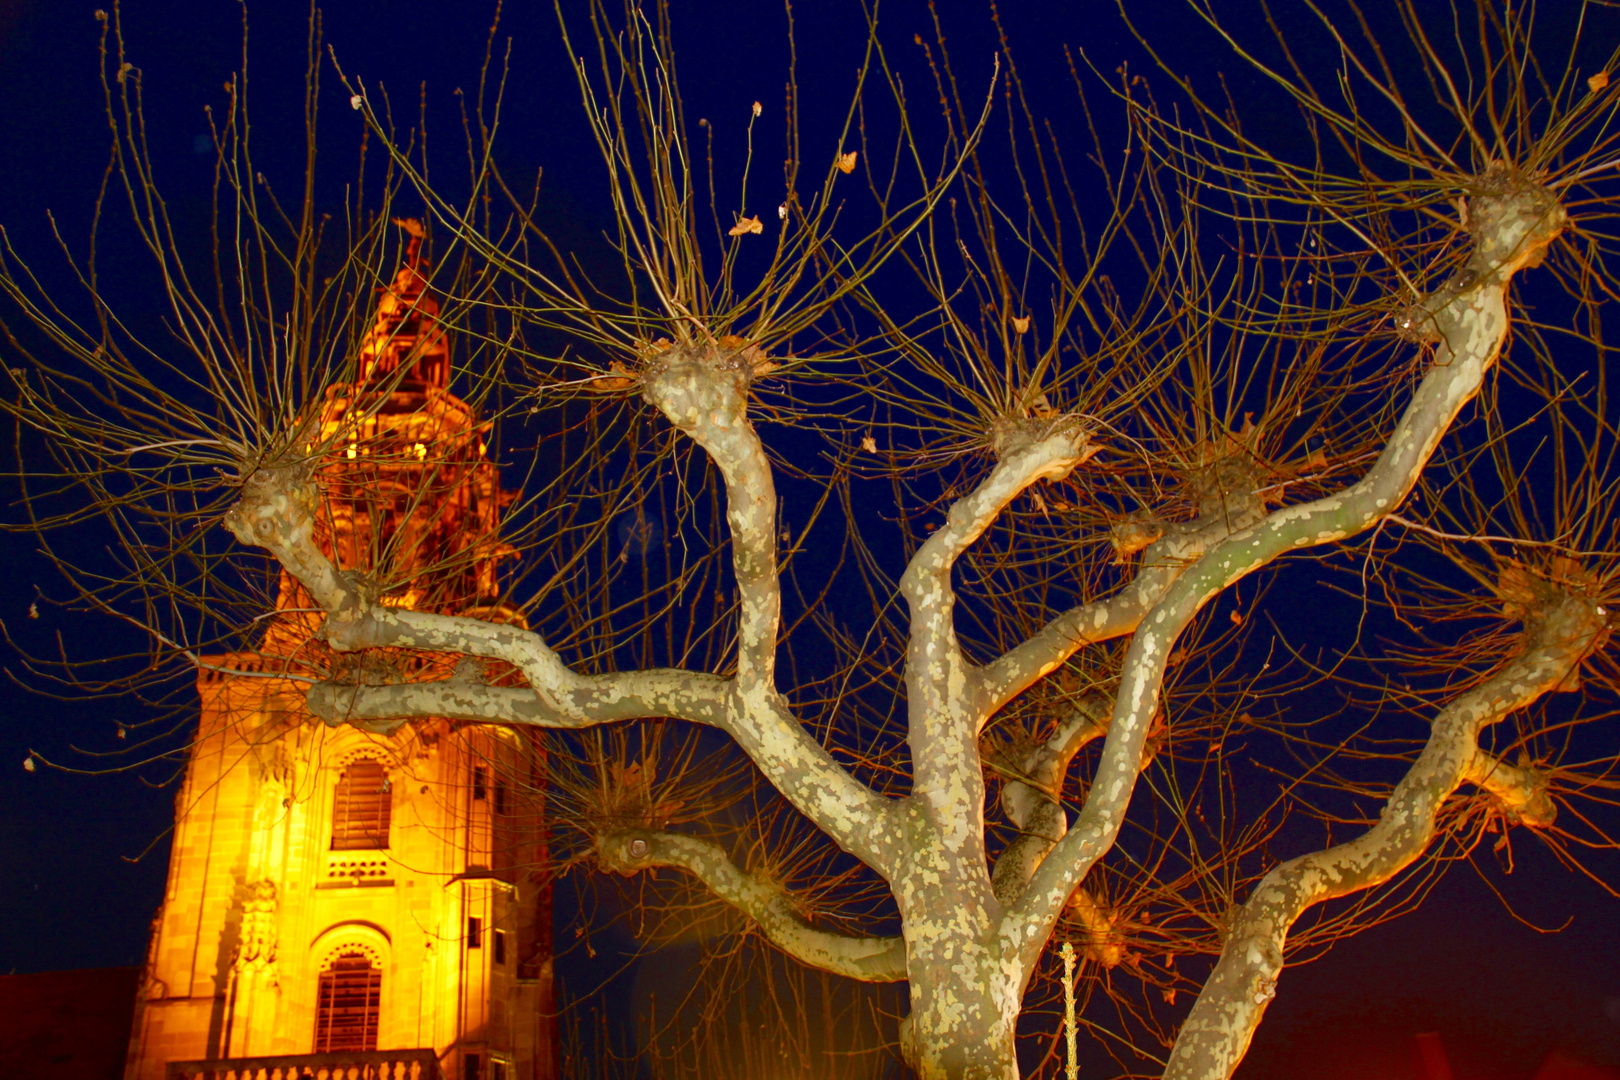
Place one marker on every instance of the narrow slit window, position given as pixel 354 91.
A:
pixel 479 785
pixel 470 1067
pixel 500 946
pixel 348 1004
pixel 475 933
pixel 360 808
pixel 500 797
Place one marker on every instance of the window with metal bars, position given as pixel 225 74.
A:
pixel 348 1004
pixel 360 808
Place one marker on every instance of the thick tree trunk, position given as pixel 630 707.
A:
pixel 964 1010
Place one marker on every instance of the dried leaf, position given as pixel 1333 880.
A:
pixel 1041 408
pixel 1517 588
pixel 411 226
pixel 1237 619
pixel 354 101
pixel 753 354
pixel 746 226
pixel 869 444
pixel 649 349
pixel 1598 82
pixel 1021 324
pixel 846 162
pixel 621 379
pixel 1040 503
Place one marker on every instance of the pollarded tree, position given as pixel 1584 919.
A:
pixel 1092 428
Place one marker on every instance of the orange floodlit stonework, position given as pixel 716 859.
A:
pixel 336 895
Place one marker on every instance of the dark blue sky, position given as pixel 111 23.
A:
pixel 71 896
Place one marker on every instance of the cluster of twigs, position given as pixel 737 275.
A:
pixel 1233 327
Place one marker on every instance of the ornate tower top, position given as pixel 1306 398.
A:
pixel 411 497
pixel 407 335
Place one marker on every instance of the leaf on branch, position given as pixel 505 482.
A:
pixel 846 162
pixel 1598 82
pixel 621 379
pixel 869 444
pixel 411 226
pixel 1517 588
pixel 746 226
pixel 28 763
pixel 752 354
pixel 354 101
pixel 649 349
pixel 1021 323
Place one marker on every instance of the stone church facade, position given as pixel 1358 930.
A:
pixel 338 897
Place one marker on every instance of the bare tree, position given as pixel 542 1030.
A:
pixel 1091 427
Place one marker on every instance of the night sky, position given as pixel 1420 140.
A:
pixel 85 856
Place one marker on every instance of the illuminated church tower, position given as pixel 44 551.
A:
pixel 340 897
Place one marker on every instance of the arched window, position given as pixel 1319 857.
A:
pixel 360 810
pixel 348 1003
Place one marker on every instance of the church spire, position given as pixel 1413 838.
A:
pixel 406 335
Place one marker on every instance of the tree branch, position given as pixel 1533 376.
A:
pixel 703 391
pixel 1162 562
pixel 275 512
pixel 762 900
pixel 1032 798
pixel 1521 791
pixel 942 690
pixel 1229 1008
pixel 1468 320
pixel 640 695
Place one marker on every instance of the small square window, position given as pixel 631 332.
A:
pixel 500 946
pixel 475 933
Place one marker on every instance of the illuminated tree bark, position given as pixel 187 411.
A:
pixel 976 916
pixel 972 937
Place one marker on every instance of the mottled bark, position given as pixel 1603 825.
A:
pixel 1223 1020
pixel 963 1004
pixel 1032 799
pixel 1512 224
pixel 970 941
pixel 1164 560
pixel 1468 322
